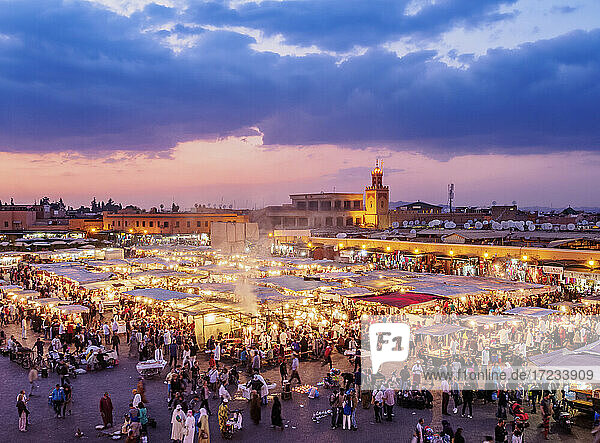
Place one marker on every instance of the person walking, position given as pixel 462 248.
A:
pixel 204 394
pixel 66 406
pixel 173 354
pixel 115 341
pixel 500 432
pixel 255 411
pixel 327 356
pixel 283 370
pixel 294 367
pixel 204 429
pixel 24 328
pixel 106 410
pixel 177 424
pixel 256 362
pixel 388 401
pixel 334 402
pixel 546 408
pixel 23 413
pixel 378 404
pixel 276 420
pixel 445 388
pixel 467 395
pixel 32 377
pixel 57 397
pixel 420 430
pixel 189 431
pixel 143 415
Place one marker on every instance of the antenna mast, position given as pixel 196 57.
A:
pixel 450 195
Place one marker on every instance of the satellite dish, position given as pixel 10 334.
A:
pixel 384 237
pixel 341 235
pixel 470 222
pixel 452 225
pixel 563 227
pixel 447 225
pixel 486 222
pixel 410 223
pixel 431 224
pixel 598 224
pixel 405 223
pixel 416 222
pixel 395 225
pixel 413 231
pixel 496 226
pixel 504 224
pixel 478 225
pixel 467 225
pixel 528 222
pixel 531 227
pixel 571 227
pixel 584 222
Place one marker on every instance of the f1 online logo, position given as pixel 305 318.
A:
pixel 388 342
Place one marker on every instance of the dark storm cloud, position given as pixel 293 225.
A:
pixel 340 25
pixel 73 76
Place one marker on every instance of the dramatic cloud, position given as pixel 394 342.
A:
pixel 75 76
pixel 340 25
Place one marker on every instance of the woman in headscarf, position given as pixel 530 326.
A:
pixel 190 428
pixel 255 407
pixel 177 424
pixel 276 420
pixel 204 430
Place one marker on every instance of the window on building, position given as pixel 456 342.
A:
pixel 326 206
pixel 302 221
pixel 144 224
pixel 151 224
pixel 313 205
pixel 338 204
pixel 339 221
pixel 301 205
pixel 206 224
pixel 198 224
pixel 125 222
pixel 358 221
pixel 328 221
pixel 119 223
pixel 177 224
pixel 6 224
pixel 357 204
pixel 166 224
pixel 347 204
pixel 189 224
pixel 137 224
pixel 349 221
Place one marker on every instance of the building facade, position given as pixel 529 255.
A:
pixel 166 223
pixel 330 209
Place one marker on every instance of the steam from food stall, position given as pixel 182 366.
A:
pixel 246 297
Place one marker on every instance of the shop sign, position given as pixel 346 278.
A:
pixel 552 270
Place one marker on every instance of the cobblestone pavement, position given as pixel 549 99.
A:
pixel 297 413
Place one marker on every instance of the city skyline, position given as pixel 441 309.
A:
pixel 249 102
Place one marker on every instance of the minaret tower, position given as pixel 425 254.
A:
pixel 377 198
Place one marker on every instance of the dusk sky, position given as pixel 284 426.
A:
pixel 246 102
